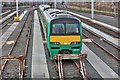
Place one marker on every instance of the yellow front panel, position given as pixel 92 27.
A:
pixel 65 39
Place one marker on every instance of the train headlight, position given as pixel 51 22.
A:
pixel 75 42
pixel 55 43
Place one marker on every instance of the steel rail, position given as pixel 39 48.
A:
pixel 81 67
pixel 19 33
pixel 117 47
pixel 116 58
pixel 7 17
pixel 4 25
pixel 26 49
pixel 59 67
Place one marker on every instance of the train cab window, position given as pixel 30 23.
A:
pixel 65 26
pixel 72 28
pixel 58 29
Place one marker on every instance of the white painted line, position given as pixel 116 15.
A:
pixel 102 68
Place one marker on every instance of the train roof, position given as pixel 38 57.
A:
pixel 64 16
pixel 51 13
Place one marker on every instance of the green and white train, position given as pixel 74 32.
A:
pixel 63 32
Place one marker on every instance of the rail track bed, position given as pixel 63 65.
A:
pixel 70 71
pixel 19 46
pixel 104 49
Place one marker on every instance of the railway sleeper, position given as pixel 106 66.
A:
pixel 80 65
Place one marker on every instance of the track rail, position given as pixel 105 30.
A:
pixel 117 47
pixel 81 68
pixel 21 61
pixel 6 23
pixel 109 53
pixel 102 28
pixel 80 65
pixel 5 13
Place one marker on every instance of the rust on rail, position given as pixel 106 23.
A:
pixel 20 58
pixel 80 66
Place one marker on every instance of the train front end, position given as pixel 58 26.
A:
pixel 65 36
